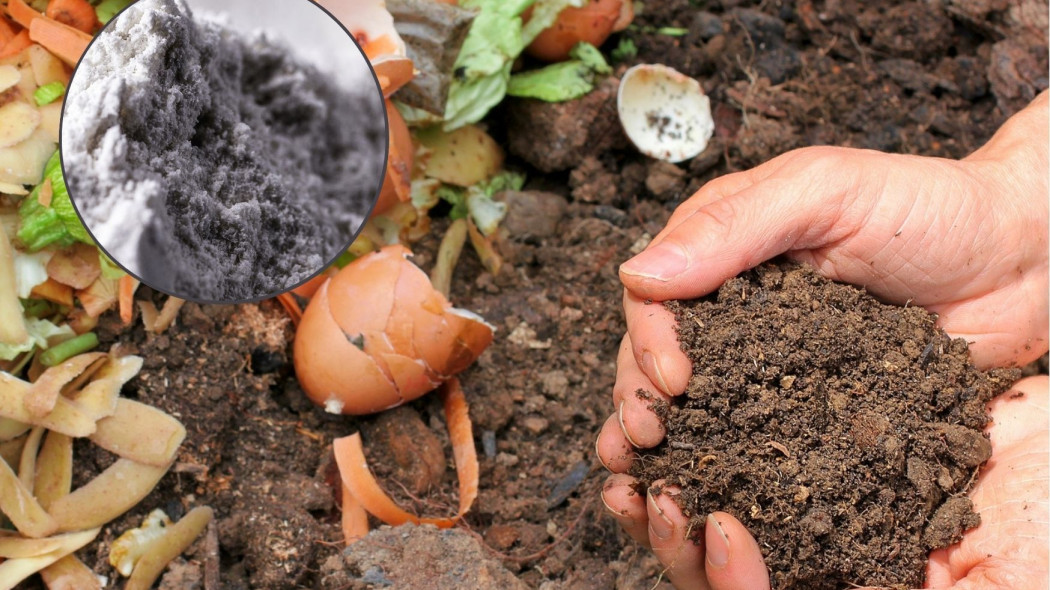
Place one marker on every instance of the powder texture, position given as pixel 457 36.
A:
pixel 215 166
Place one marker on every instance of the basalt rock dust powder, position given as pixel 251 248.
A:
pixel 214 165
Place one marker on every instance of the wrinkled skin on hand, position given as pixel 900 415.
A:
pixel 965 239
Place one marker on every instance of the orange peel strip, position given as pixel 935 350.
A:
pixel 353 467
pixel 126 295
pixel 355 517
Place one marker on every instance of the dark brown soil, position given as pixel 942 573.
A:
pixel 780 75
pixel 841 431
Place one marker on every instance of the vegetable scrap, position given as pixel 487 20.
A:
pixel 591 23
pixel 39 420
pixel 361 492
pixel 562 81
pixel 234 173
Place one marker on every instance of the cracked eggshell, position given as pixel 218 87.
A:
pixel 664 112
pixel 372 26
pixel 378 334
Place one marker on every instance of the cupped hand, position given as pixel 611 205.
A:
pixel 965 239
pixel 1007 551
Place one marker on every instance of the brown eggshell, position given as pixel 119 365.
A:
pixel 397 184
pixel 592 23
pixel 411 339
pixel 361 295
pixel 330 367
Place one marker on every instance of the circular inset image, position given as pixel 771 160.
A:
pixel 224 150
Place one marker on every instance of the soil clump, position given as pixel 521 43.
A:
pixel 843 432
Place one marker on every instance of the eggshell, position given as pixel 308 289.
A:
pixel 378 334
pixel 664 113
pixel 333 371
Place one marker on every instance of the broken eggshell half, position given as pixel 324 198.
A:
pixel 372 25
pixel 377 335
pixel 664 112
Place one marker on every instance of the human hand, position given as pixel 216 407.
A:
pixel 1008 549
pixel 965 239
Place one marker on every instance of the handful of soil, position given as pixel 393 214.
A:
pixel 841 431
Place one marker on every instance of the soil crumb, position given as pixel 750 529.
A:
pixel 843 432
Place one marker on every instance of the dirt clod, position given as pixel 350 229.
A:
pixel 834 426
pixel 409 557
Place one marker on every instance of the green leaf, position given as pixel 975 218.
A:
pixel 49 93
pixel 486 213
pixel 555 83
pixel 625 50
pixel 562 81
pixel 503 181
pixel 456 197
pixel 496 38
pixel 40 332
pixel 57 224
pixel 107 9
pixel 591 57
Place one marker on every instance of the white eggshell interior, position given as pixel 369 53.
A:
pixel 664 112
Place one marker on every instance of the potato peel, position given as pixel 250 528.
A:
pixel 69 573
pixel 141 433
pixel 43 393
pixel 14 571
pixel 18 503
pixel 160 551
pixel 112 493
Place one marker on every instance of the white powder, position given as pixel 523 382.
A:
pixel 213 165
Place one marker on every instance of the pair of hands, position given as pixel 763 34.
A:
pixel 965 239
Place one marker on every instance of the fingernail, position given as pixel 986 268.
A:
pixel 661 526
pixel 717 544
pixel 599 455
pixel 626 435
pixel 652 368
pixel 662 262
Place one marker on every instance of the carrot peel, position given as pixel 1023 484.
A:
pixel 16 45
pixel 76 13
pixel 22 13
pixel 125 297
pixel 362 485
pixel 67 43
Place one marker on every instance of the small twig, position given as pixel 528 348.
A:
pixel 211 558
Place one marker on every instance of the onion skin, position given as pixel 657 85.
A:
pixel 592 23
pixel 378 334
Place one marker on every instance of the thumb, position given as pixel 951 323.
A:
pixel 734 560
pixel 800 205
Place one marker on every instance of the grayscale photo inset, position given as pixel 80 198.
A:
pixel 224 151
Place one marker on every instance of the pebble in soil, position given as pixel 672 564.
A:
pixel 842 431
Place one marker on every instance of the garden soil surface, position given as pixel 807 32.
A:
pixel 919 77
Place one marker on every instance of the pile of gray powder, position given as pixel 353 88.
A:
pixel 216 166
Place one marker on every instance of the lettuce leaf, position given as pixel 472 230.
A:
pixel 496 38
pixel 562 81
pixel 56 224
pixel 41 332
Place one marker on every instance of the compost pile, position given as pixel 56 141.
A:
pixel 843 432
pixel 780 75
